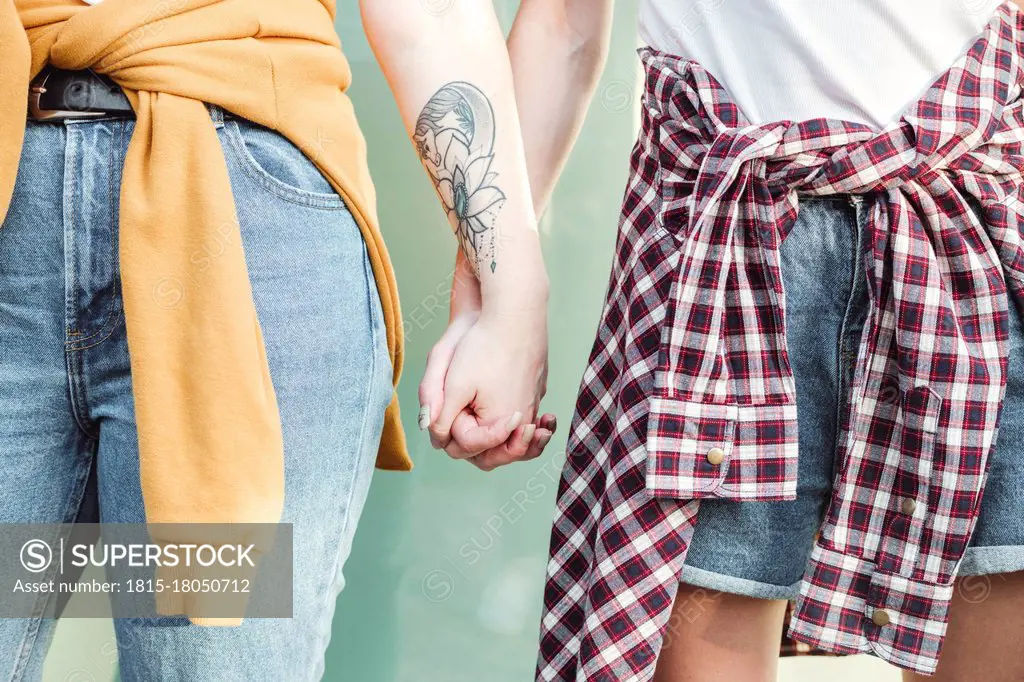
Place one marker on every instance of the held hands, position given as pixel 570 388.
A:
pixel 485 379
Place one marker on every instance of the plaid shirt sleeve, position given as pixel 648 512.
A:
pixel 689 394
pixel 723 411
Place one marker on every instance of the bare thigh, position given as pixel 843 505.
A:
pixel 721 637
pixel 986 632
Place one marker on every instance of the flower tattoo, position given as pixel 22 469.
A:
pixel 454 137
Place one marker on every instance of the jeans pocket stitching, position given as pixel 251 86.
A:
pixel 261 176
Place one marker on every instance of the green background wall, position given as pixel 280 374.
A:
pixel 445 580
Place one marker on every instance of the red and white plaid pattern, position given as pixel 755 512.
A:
pixel 691 359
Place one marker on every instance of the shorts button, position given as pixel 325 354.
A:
pixel 716 456
pixel 880 617
pixel 908 506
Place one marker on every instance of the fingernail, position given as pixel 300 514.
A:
pixel 544 440
pixel 514 420
pixel 528 433
pixel 424 420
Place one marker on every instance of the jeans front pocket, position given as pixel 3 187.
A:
pixel 277 165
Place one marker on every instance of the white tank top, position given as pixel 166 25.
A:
pixel 856 60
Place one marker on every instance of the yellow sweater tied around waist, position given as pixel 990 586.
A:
pixel 210 443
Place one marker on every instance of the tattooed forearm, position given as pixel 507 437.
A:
pixel 455 139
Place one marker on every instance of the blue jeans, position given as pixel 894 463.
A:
pixel 760 549
pixel 67 434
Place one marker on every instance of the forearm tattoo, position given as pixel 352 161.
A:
pixel 455 139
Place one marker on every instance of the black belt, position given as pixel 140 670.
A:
pixel 56 94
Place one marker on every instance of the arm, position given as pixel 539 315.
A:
pixel 558 50
pixel 452 80
pixel 451 76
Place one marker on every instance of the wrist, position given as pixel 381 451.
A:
pixel 526 296
pixel 519 282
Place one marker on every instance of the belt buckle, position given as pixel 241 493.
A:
pixel 36 113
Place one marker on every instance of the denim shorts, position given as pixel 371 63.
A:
pixel 68 433
pixel 760 549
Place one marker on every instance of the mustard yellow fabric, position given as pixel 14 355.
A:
pixel 209 431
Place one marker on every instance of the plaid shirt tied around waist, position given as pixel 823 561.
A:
pixel 689 394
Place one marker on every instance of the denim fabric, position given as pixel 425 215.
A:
pixel 67 433
pixel 760 549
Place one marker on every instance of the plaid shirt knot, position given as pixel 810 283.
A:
pixel 729 195
pixel 689 392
